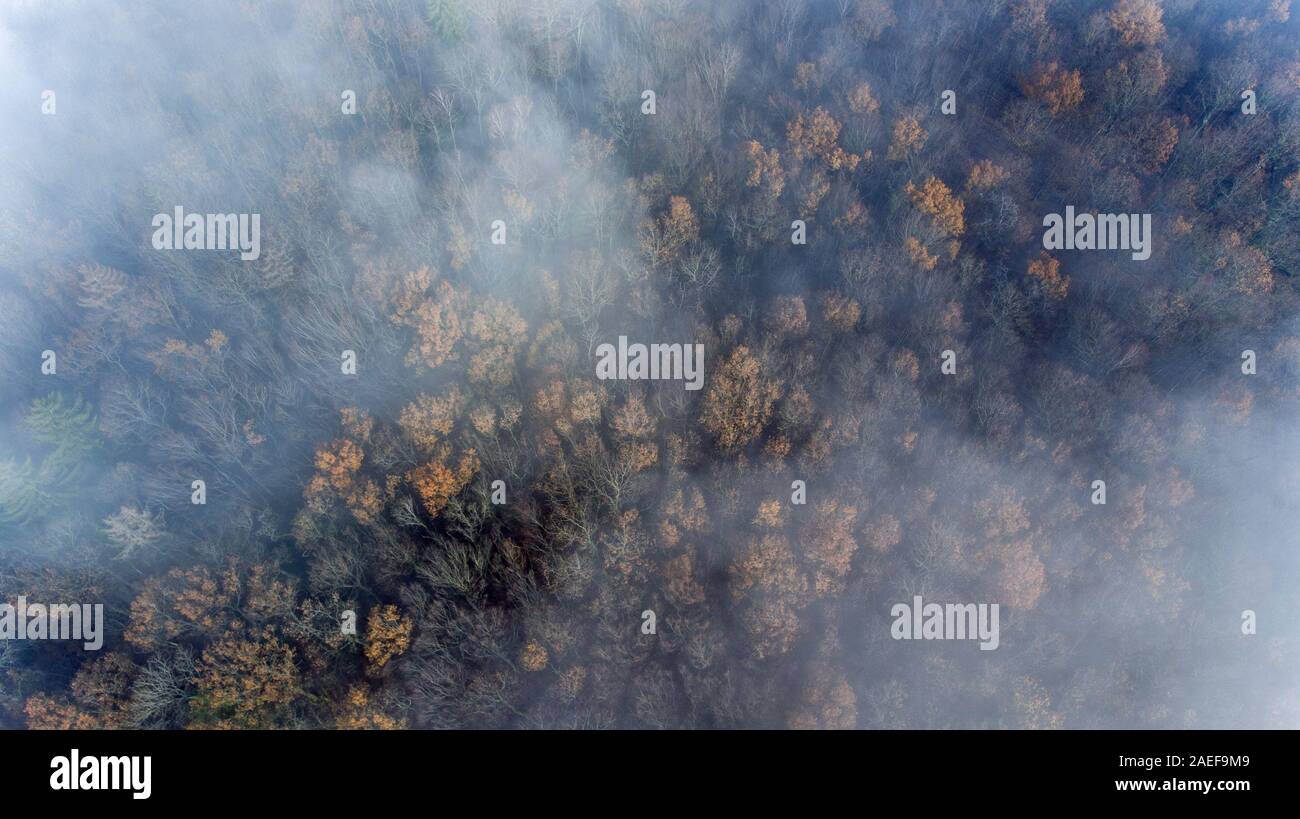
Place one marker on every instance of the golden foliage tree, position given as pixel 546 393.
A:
pixel 840 311
pixel 666 238
pixel 920 256
pixel 768 578
pixel 770 515
pixel 829 544
pixel 388 635
pixel 908 138
pixel 985 175
pixel 338 477
pixel 101 693
pixel 46 713
pixel 361 713
pixel 435 318
pixel 337 463
pixel 200 602
pixel 884 533
pixel 429 419
pixel 1020 577
pixel 1047 272
pixel 634 429
pixel 817 136
pixel 437 482
pixel 680 584
pixel 498 329
pixel 244 681
pixel 739 400
pixel 182 602
pixel 534 657
pixel 1156 143
pixel 786 317
pixel 764 169
pixel 1060 90
pixel 825 702
pixel 1247 268
pixel 1137 22
pixel 862 101
pixel 684 513
pixel 937 200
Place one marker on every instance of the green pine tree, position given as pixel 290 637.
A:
pixel 61 472
pixel 21 497
pixel 28 493
pixel 64 424
pixel 447 18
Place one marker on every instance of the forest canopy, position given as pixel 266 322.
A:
pixel 369 476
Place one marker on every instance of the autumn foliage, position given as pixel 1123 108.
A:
pixel 901 392
pixel 936 199
pixel 388 634
pixel 739 400
pixel 817 137
pixel 1059 89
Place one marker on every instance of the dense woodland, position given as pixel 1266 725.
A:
pixel 371 492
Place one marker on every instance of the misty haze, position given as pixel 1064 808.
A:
pixel 650 364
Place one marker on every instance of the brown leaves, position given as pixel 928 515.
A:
pixel 908 139
pixel 46 713
pixel 829 544
pixel 1060 90
pixel 436 482
pixel 1156 143
pixel 534 657
pixel 1247 268
pixel 201 602
pixel 817 137
pixel 664 239
pixel 336 478
pixel 101 692
pixel 861 100
pixel 685 513
pixel 840 312
pixel 917 252
pixel 985 175
pixel 764 169
pixel 936 199
pixel 184 601
pixel 768 577
pixel 438 328
pixel 1047 272
pixel 338 467
pixel 786 317
pixel 1137 22
pixel 337 462
pixel 1002 513
pixel 437 319
pixel 635 429
pixel 429 419
pixel 498 329
pixel 739 400
pixel 360 713
pixel 827 702
pixel 388 634
pixel 1020 578
pixel 244 682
